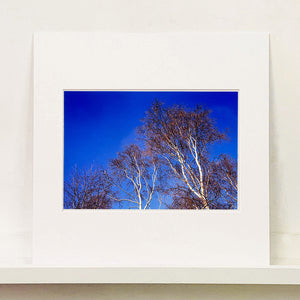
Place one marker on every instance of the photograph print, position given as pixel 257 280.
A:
pixel 151 150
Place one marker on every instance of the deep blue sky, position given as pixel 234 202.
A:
pixel 97 124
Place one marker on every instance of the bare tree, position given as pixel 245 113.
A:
pixel 176 169
pixel 134 174
pixel 225 180
pixel 182 137
pixel 87 189
pixel 221 192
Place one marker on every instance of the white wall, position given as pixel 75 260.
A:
pixel 19 19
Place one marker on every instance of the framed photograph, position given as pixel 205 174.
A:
pixel 151 149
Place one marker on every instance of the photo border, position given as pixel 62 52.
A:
pixel 185 61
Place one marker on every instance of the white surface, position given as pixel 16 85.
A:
pixel 89 61
pixel 271 275
pixel 19 19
